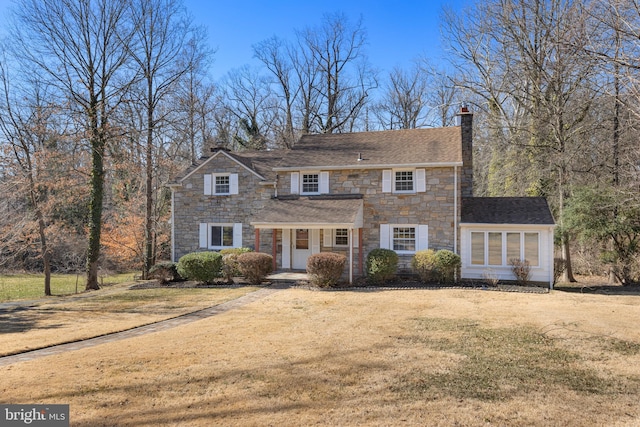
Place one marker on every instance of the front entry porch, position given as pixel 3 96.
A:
pixel 301 227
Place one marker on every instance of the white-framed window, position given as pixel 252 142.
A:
pixel 310 182
pixel 404 238
pixel 497 248
pixel 218 236
pixel 220 184
pixel 404 181
pixel 339 237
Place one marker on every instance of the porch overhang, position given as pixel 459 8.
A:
pixel 314 212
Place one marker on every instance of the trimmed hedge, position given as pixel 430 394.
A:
pixel 382 265
pixel 230 267
pixel 440 266
pixel 423 264
pixel 325 268
pixel 164 272
pixel 448 264
pixel 255 266
pixel 202 267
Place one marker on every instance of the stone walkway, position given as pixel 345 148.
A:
pixel 162 325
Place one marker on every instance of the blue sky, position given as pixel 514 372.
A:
pixel 398 31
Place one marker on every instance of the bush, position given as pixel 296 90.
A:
pixel 423 264
pixel 230 267
pixel 447 265
pixel 164 272
pixel 325 269
pixel 382 265
pixel 202 267
pixel 255 266
pixel 521 270
pixel 441 266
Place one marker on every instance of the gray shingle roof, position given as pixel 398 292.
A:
pixel 395 147
pixel 310 212
pixel 506 210
pixel 261 162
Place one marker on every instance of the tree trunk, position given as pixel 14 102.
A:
pixel 95 206
pixel 567 275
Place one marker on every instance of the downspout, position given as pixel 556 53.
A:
pixel 455 210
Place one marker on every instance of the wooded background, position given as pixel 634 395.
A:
pixel 102 102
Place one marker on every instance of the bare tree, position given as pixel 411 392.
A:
pixel 336 50
pixel 26 130
pixel 161 31
pixel 274 53
pixel 80 47
pixel 404 100
pixel 537 85
pixel 249 98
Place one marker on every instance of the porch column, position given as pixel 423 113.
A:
pixel 361 252
pixel 350 255
pixel 257 240
pixel 274 247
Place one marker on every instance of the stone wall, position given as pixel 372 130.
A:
pixel 192 207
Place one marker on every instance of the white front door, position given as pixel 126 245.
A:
pixel 302 245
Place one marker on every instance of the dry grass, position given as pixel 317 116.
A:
pixel 409 357
pixel 56 320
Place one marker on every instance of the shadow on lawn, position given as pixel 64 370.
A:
pixel 22 319
pixel 600 289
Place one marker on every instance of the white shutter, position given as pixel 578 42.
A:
pixel 423 237
pixel 295 182
pixel 286 248
pixel 315 241
pixel 237 235
pixel 204 241
pixel 421 181
pixel 386 181
pixel 324 183
pixel 207 185
pixel 233 183
pixel 327 238
pixel 385 237
pixel 356 235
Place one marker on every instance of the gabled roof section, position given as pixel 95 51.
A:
pixel 410 147
pixel 506 210
pixel 260 163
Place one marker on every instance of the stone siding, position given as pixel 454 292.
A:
pixel 192 207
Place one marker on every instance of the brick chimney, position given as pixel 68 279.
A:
pixel 466 129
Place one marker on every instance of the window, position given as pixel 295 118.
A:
pixel 341 237
pixel 310 183
pixel 222 236
pixel 494 244
pixel 221 184
pixel 477 248
pixel 404 181
pixel 495 248
pixel 531 252
pixel 302 239
pixel 404 239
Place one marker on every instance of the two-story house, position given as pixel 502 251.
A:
pixel 404 190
